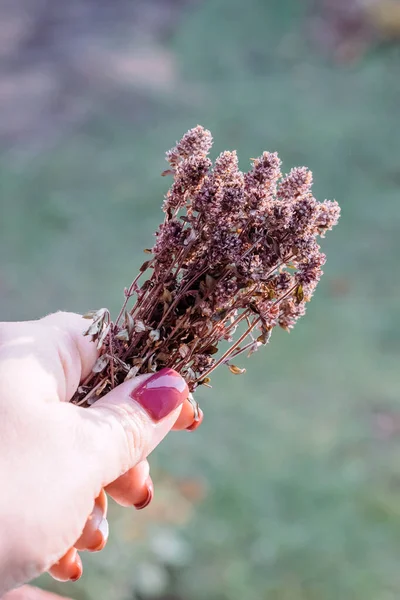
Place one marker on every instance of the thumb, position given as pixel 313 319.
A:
pixel 123 427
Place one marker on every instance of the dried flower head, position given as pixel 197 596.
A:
pixel 236 252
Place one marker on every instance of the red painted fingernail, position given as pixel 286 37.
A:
pixel 161 393
pixel 197 422
pixel 76 569
pixel 149 495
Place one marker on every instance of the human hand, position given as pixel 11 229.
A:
pixel 56 459
pixel 28 592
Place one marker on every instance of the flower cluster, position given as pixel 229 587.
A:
pixel 234 249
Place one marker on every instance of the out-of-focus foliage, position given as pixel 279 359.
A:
pixel 295 469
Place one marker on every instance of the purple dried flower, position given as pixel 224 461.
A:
pixel 196 142
pixel 261 181
pixel 327 215
pixel 236 253
pixel 297 183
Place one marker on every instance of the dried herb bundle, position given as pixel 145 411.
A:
pixel 235 252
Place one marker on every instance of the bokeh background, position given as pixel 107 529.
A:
pixel 291 488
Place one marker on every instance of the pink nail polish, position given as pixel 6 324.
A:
pixel 161 393
pixel 149 495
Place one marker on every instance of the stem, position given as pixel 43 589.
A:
pixel 228 353
pixel 128 295
pixel 181 294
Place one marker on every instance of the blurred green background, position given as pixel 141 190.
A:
pixel 290 490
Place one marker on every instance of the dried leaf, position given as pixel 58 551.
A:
pixel 129 322
pixel 137 362
pixel 166 296
pixel 139 326
pixel 154 335
pixel 210 282
pixel 100 364
pixel 94 328
pixel 123 335
pixel 184 350
pixel 190 374
pixel 299 293
pixel 132 373
pixel 236 370
pixel 265 336
pixel 103 336
pixel 167 172
pixel 163 356
pixel 190 238
pixel 90 314
pixel 253 348
pixel 148 251
pixel 211 350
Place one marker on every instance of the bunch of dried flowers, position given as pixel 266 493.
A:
pixel 236 253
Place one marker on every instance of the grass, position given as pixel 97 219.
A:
pixel 304 497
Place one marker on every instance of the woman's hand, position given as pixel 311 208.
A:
pixel 28 592
pixel 56 458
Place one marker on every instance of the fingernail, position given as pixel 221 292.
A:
pixel 149 495
pixel 76 569
pixel 100 536
pixel 197 422
pixel 161 393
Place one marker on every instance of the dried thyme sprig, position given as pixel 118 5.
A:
pixel 234 251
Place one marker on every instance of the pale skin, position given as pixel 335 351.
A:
pixel 56 459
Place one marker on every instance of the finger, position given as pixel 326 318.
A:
pixel 28 592
pixel 68 568
pixel 190 417
pixel 51 354
pixel 133 488
pixel 95 533
pixel 123 427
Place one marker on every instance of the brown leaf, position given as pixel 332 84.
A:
pixel 166 296
pixel 163 356
pixel 236 370
pixel 137 362
pixel 265 336
pixel 129 322
pixel 211 350
pixel 299 293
